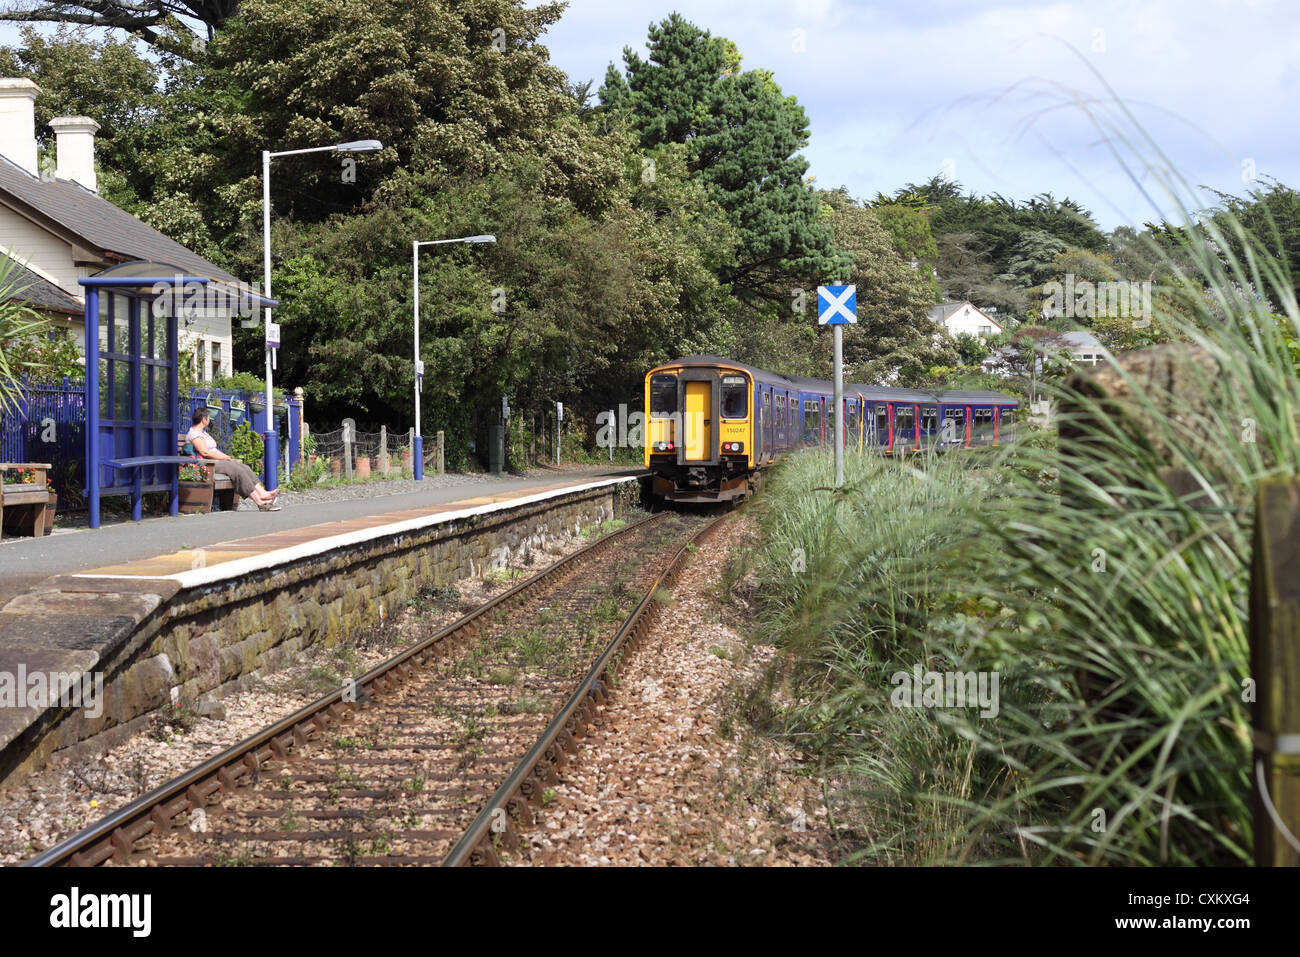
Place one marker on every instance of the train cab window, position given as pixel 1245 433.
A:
pixel 663 394
pixel 929 418
pixel 903 417
pixel 735 397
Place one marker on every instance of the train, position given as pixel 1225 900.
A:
pixel 712 424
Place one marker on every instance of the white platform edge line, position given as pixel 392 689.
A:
pixel 255 563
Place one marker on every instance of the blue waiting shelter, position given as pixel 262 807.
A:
pixel 132 401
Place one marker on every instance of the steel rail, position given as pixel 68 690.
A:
pixel 537 768
pixel 115 835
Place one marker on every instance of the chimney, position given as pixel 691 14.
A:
pixel 74 149
pixel 18 122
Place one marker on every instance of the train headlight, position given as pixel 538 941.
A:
pixel 663 446
pixel 733 446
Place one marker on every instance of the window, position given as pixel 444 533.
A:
pixel 767 409
pixel 985 330
pixel 735 397
pixel 903 418
pixel 812 418
pixel 780 412
pixel 929 418
pixel 882 419
pixel 216 360
pixel 851 419
pixel 663 394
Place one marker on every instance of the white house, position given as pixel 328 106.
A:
pixel 58 229
pixel 959 317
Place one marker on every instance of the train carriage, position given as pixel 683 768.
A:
pixel 711 423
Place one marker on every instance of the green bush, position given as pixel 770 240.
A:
pixel 247 446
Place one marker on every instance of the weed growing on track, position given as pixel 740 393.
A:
pixel 1111 605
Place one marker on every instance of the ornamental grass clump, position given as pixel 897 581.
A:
pixel 1104 582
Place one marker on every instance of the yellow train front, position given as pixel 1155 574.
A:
pixel 699 435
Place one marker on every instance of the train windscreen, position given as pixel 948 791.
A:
pixel 735 397
pixel 663 394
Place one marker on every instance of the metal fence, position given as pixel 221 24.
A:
pixel 48 424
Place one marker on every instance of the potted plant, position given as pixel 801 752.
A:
pixel 363 467
pixel 195 488
pixel 336 467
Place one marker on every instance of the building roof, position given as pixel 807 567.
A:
pixel 1082 339
pixel 66 207
pixel 941 312
pixel 39 292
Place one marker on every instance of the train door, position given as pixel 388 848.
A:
pixel 880 432
pixel 929 425
pixel 699 421
pixel 780 422
pixel 767 423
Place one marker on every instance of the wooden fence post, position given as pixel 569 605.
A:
pixel 441 457
pixel 1275 668
pixel 383 450
pixel 347 449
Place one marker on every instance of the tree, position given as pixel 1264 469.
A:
pixel 153 22
pixel 743 137
pixel 895 339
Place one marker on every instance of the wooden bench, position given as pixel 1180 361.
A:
pixel 22 506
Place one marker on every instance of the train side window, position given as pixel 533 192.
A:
pixel 903 417
pixel 780 411
pixel 929 418
pixel 735 397
pixel 811 416
pixel 851 420
pixel 663 394
pixel 767 408
pixel 882 418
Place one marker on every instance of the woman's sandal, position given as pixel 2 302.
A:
pixel 269 507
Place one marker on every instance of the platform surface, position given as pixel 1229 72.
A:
pixel 168 545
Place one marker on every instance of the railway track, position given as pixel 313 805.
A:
pixel 437 756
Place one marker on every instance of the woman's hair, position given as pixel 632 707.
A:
pixel 199 415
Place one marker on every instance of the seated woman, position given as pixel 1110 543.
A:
pixel 244 478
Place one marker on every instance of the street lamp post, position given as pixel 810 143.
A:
pixel 417 452
pixel 271 437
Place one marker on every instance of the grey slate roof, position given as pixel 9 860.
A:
pixel 39 292
pixel 101 225
pixel 942 311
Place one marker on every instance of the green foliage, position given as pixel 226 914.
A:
pixel 46 355
pixel 1113 608
pixel 743 137
pixel 247 446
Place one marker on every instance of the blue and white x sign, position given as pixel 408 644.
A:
pixel 837 305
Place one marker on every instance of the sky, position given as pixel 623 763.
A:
pixel 1126 106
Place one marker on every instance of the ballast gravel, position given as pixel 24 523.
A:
pixel 673 776
pixel 52 804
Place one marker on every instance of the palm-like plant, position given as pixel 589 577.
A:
pixel 17 321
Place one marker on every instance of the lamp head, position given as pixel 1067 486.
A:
pixel 359 146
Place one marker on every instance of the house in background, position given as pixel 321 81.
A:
pixel 964 317
pixel 1085 348
pixel 59 229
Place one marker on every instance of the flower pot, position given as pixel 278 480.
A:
pixel 336 467
pixel 196 497
pixel 363 468
pixel 50 506
pixel 406 460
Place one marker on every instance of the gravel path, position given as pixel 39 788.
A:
pixel 673 775
pixel 378 488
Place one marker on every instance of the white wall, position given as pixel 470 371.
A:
pixel 968 319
